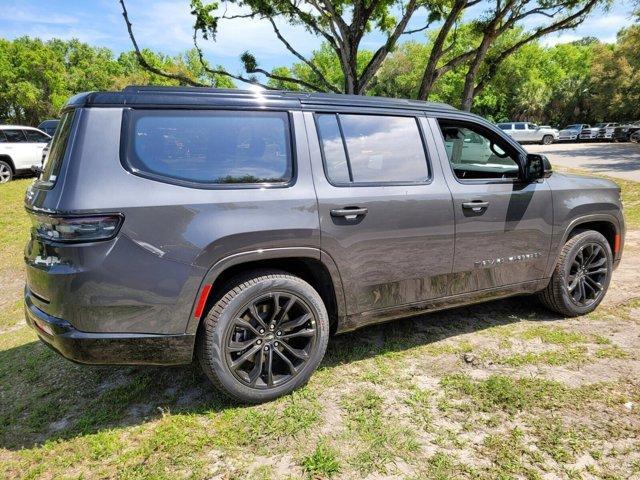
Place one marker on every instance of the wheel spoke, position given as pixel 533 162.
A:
pixel 286 360
pixel 597 264
pixel 592 283
pixel 240 346
pixel 307 332
pixel 594 253
pixel 597 272
pixel 243 324
pixel 256 371
pixel 301 354
pixel 574 283
pixel 298 322
pixel 256 316
pixel 286 310
pixel 275 309
pixel 244 357
pixel 270 368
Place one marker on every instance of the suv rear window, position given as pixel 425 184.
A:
pixel 378 149
pixel 212 147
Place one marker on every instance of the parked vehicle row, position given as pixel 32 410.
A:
pixel 526 132
pixel 20 149
pixel 623 133
pixel 242 228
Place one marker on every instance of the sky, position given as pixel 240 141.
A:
pixel 166 26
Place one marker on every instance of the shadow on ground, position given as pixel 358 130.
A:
pixel 44 397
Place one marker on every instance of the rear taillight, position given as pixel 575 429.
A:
pixel 76 229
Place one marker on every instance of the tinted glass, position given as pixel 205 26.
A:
pixel 504 126
pixel 53 162
pixel 212 147
pixel 15 136
pixel 532 126
pixel 477 155
pixel 335 159
pixel 384 149
pixel 2 137
pixel 35 137
pixel 519 126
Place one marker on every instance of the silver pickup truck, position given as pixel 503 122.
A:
pixel 525 132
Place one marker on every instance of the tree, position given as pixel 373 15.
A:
pixel 341 25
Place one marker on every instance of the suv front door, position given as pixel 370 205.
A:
pixel 386 216
pixel 503 225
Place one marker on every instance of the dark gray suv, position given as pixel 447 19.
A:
pixel 242 228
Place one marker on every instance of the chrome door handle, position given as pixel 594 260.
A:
pixel 476 205
pixel 350 213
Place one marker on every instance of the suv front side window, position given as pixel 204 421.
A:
pixel 476 154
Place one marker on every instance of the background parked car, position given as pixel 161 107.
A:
pixel 623 132
pixel 49 126
pixel 20 149
pixel 572 132
pixel 607 132
pixel 524 132
pixel 635 137
pixel 593 132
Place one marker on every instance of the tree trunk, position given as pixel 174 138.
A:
pixel 429 77
pixel 468 93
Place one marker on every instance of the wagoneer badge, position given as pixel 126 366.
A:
pixel 498 261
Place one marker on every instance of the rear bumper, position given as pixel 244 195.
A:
pixel 108 348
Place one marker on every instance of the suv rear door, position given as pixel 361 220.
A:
pixel 386 216
pixel 503 225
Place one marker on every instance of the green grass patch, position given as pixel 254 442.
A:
pixel 11 314
pixel 507 393
pixel 14 224
pixel 323 462
pixel 554 335
pixel 381 438
pixel 563 356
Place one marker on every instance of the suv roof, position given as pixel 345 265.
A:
pixel 202 97
pixel 22 127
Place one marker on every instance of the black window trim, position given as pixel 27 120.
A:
pixel 482 128
pixel 125 150
pixel 415 115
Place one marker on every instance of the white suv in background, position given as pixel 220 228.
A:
pixel 524 132
pixel 20 149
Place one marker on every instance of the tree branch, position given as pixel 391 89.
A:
pixel 310 64
pixel 146 65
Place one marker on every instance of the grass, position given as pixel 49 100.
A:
pixel 399 399
pixel 14 225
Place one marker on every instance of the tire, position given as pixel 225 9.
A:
pixel 547 140
pixel 6 172
pixel 223 334
pixel 558 295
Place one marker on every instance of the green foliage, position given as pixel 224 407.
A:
pixel 323 462
pixel 37 78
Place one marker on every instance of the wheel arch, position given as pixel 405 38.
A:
pixel 315 267
pixel 6 158
pixel 607 225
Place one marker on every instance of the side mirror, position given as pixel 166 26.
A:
pixel 537 166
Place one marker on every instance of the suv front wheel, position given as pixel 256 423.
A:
pixel 582 275
pixel 264 337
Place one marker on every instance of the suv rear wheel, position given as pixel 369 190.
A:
pixel 264 337
pixel 6 172
pixel 582 275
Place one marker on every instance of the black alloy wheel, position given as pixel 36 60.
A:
pixel 271 339
pixel 588 274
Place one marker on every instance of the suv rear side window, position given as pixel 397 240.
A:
pixel 365 149
pixel 212 147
